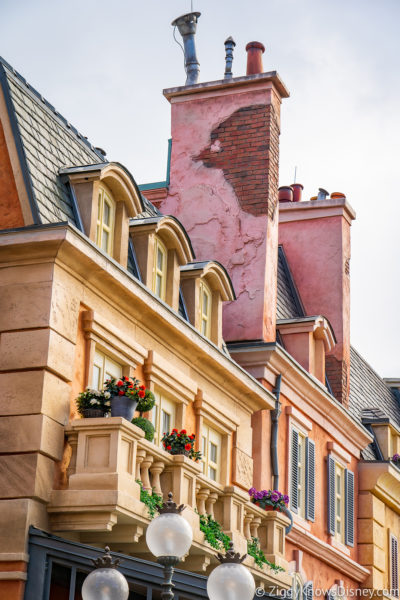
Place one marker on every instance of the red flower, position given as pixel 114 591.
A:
pixel 130 385
pixel 141 394
pixel 192 436
pixel 169 447
pixel 121 393
pixel 120 383
pixel 174 431
pixel 188 446
pixel 141 387
pixel 183 431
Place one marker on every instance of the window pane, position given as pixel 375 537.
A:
pixel 158 285
pixel 96 384
pixel 160 259
pixel 106 214
pixel 213 452
pixel 212 473
pixel 338 483
pixel 165 422
pixel 104 240
pixel 60 582
pixel 205 303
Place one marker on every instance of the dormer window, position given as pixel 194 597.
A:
pixel 106 197
pixel 205 285
pixel 160 269
pixel 105 221
pixel 205 309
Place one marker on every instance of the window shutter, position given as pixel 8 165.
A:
pixel 294 471
pixel 394 566
pixel 331 495
pixel 310 480
pixel 349 508
pixel 308 590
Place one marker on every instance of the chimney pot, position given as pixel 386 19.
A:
pixel 285 193
pixel 297 191
pixel 322 194
pixel 254 51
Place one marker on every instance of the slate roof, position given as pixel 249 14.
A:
pixel 289 304
pixel 45 142
pixel 369 391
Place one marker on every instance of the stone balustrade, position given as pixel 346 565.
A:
pixel 110 455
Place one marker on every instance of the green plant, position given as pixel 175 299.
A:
pixel 179 442
pixel 254 550
pixel 97 399
pixel 146 425
pixel 145 404
pixel 153 501
pixel 213 533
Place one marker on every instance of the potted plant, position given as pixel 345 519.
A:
pixel 268 499
pixel 93 403
pixel 124 396
pixel 396 459
pixel 145 404
pixel 179 442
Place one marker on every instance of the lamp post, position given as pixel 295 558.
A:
pixel 105 582
pixel 231 580
pixel 169 537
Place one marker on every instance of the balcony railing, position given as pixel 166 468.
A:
pixel 102 502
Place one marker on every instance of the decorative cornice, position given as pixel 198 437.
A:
pixel 316 209
pixel 328 554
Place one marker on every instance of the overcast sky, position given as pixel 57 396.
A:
pixel 104 64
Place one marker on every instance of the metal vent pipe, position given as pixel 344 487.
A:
pixel 187 25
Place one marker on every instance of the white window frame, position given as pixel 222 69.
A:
pixel 107 368
pixel 104 197
pixel 162 406
pixel 205 316
pixel 157 272
pixel 210 436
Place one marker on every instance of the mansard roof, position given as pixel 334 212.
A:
pixel 46 143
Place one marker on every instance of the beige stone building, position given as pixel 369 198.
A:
pixel 97 281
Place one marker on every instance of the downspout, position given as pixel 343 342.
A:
pixel 274 446
pixel 274 432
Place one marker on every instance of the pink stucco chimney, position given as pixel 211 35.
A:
pixel 316 239
pixel 224 188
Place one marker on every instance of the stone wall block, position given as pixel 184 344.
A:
pixel 36 348
pixel 25 305
pixel 31 433
pixel 26 475
pixel 34 392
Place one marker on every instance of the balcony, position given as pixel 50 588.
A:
pixel 101 504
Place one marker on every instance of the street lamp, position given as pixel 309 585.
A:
pixel 231 580
pixel 105 582
pixel 169 537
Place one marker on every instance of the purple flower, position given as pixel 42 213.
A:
pixel 396 457
pixel 286 499
pixel 252 491
pixel 275 497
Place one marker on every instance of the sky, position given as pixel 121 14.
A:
pixel 103 65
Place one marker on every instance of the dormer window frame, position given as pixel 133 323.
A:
pixel 124 198
pixel 160 271
pixel 205 309
pixel 104 198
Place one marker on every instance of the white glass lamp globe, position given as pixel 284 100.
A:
pixel 169 535
pixel 105 584
pixel 231 581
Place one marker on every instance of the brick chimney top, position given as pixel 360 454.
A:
pixel 254 50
